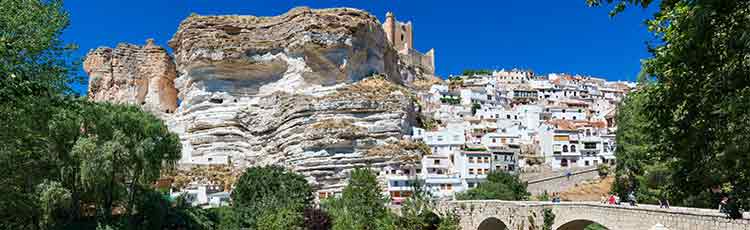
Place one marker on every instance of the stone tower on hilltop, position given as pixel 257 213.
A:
pixel 401 36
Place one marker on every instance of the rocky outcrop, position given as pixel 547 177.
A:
pixel 294 90
pixel 322 136
pixel 301 50
pixel 142 75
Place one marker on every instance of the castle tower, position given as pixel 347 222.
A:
pixel 399 34
pixel 389 26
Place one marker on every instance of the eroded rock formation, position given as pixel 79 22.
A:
pixel 293 90
pixel 142 75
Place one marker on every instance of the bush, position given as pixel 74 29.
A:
pixel 361 205
pixel 499 186
pixel 271 194
pixel 472 72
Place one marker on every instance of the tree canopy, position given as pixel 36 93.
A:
pixel 694 115
pixel 499 186
pixel 271 197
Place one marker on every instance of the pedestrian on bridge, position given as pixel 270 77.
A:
pixel 631 198
pixel 723 205
pixel 663 201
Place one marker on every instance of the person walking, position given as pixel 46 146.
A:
pixel 603 199
pixel 617 200
pixel 723 205
pixel 612 199
pixel 663 201
pixel 631 198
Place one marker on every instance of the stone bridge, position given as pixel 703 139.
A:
pixel 523 215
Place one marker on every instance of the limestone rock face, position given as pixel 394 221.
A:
pixel 294 52
pixel 293 90
pixel 142 75
pixel 321 136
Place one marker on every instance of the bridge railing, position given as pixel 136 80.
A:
pixel 639 207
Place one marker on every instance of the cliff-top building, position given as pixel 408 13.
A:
pixel 401 37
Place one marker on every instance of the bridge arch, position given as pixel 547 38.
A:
pixel 578 224
pixel 492 223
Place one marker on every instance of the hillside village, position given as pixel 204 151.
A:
pixel 318 110
pixel 510 121
pixel 482 121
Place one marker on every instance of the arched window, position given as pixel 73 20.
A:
pixel 565 148
pixel 572 148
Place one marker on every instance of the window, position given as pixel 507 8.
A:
pixel 471 171
pixel 494 140
pixel 437 162
pixel 471 159
pixel 574 117
pixel 586 163
pixel 450 186
pixel 472 184
pixel 572 148
pixel 589 145
pixel 565 148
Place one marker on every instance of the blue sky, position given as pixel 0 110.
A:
pixel 543 35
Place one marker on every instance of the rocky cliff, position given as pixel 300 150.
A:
pixel 319 91
pixel 142 75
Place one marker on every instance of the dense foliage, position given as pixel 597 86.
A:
pixel 271 197
pixel 362 206
pixel 65 161
pixel 472 72
pixel 499 186
pixel 685 133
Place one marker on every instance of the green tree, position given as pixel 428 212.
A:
pixel 697 108
pixel 361 205
pixel 549 219
pixel 474 107
pixel 417 212
pixel 33 76
pixel 280 219
pixel 263 195
pixel 499 186
pixel 449 221
pixel 472 72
